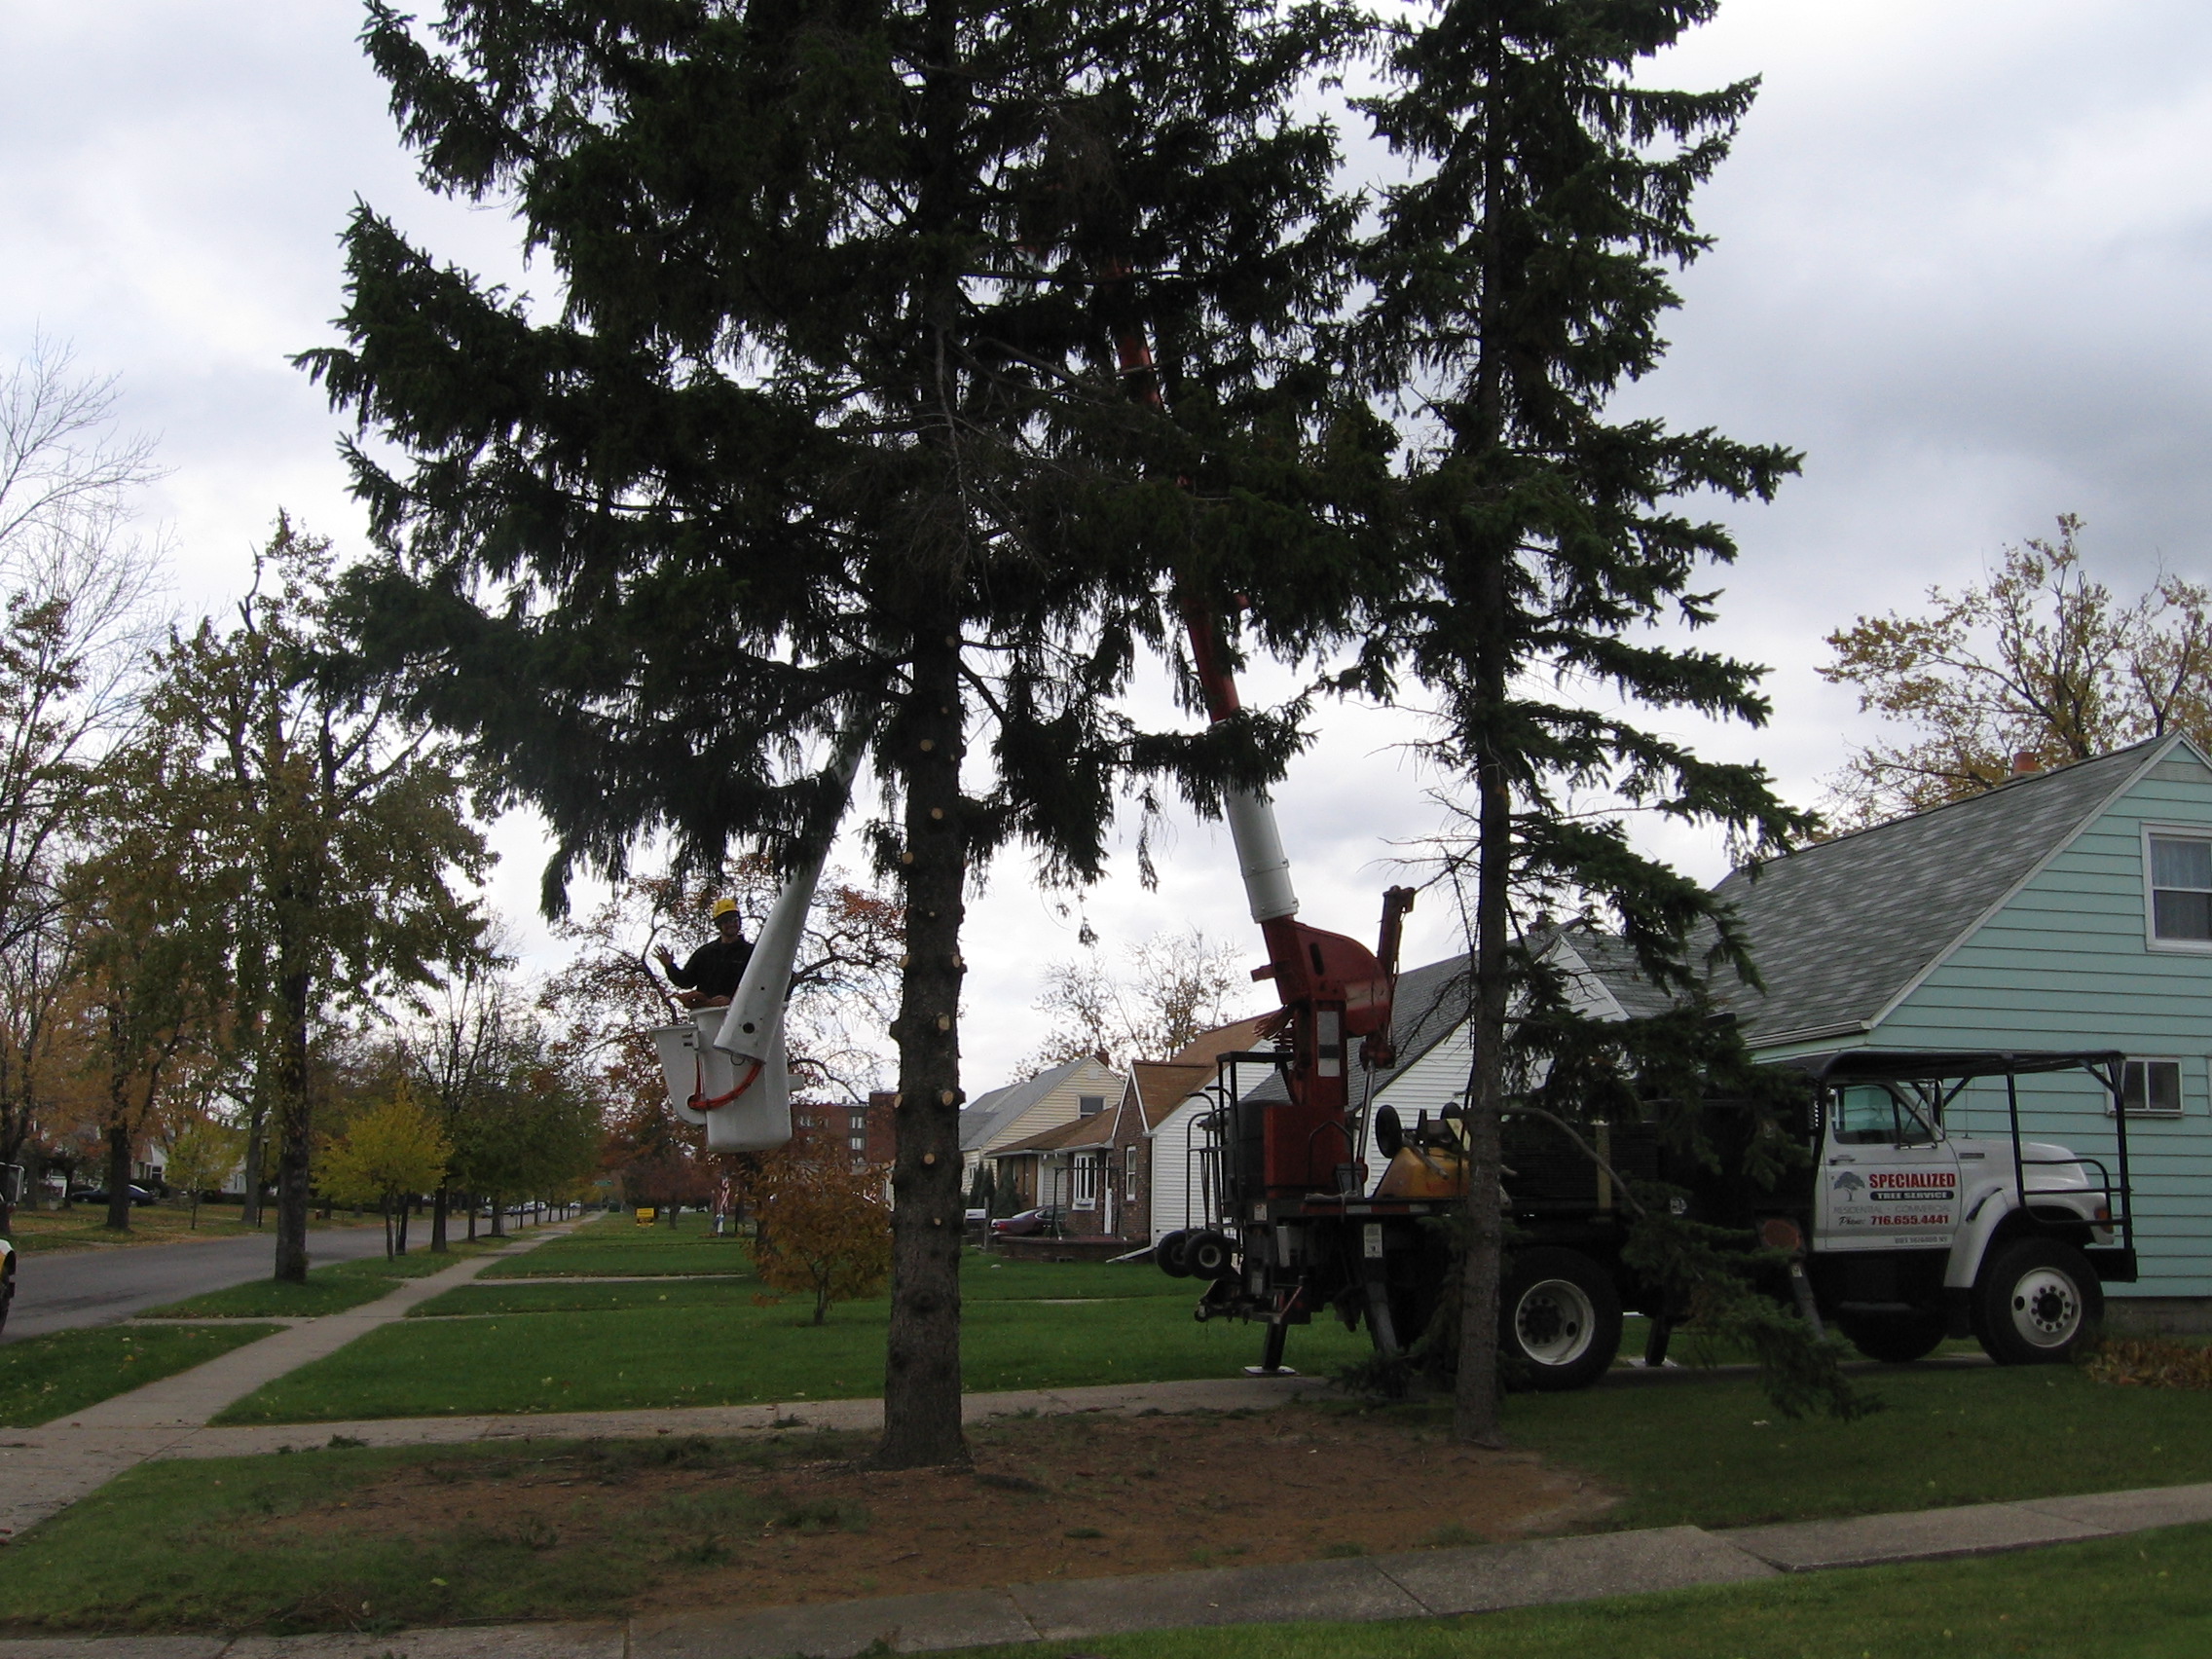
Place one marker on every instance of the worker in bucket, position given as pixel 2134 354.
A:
pixel 710 979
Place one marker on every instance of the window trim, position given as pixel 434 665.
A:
pixel 2152 1114
pixel 1083 1182
pixel 2151 939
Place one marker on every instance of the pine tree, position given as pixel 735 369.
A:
pixel 827 421
pixel 1519 281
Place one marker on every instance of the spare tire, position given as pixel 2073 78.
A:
pixel 1211 1256
pixel 1173 1252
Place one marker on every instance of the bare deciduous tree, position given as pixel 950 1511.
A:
pixel 2037 659
pixel 1174 986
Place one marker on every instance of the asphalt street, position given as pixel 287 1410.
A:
pixel 68 1288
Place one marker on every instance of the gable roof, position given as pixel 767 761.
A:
pixel 1160 1088
pixel 1237 1037
pixel 992 1114
pixel 1095 1129
pixel 1841 931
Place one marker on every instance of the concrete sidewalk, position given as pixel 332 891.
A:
pixel 1421 1584
pixel 44 1470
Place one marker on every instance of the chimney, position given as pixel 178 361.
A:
pixel 2026 765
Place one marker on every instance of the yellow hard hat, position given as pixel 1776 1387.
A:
pixel 723 907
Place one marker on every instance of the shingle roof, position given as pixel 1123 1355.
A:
pixel 988 1113
pixel 1095 1129
pixel 1840 930
pixel 1161 1087
pixel 1235 1038
pixel 1614 966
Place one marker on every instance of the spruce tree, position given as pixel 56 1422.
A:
pixel 825 421
pixel 1519 282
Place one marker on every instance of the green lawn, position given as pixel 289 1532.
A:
pixel 983 1279
pixel 328 1290
pixel 84 1226
pixel 2143 1598
pixel 186 1544
pixel 613 1245
pixel 45 1377
pixel 1710 1451
pixel 159 1547
pixel 733 1352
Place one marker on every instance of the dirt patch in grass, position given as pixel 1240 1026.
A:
pixel 1076 1497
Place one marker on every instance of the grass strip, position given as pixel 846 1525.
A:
pixel 83 1227
pixel 191 1545
pixel 1711 1451
pixel 46 1377
pixel 2145 1596
pixel 734 1353
pixel 328 1290
pixel 983 1279
pixel 186 1544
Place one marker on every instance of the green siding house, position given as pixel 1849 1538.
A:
pixel 2065 910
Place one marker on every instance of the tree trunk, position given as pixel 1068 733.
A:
pixel 498 1216
pixel 293 1146
pixel 439 1203
pixel 406 1206
pixel 475 1203
pixel 256 1154
pixel 384 1210
pixel 921 1383
pixel 1475 1407
pixel 118 1169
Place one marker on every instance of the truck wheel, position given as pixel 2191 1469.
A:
pixel 6 1295
pixel 1172 1253
pixel 1893 1337
pixel 2037 1301
pixel 1559 1318
pixel 1211 1256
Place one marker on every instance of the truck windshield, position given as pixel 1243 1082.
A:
pixel 1873 1113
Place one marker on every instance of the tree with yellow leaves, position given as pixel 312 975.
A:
pixel 825 1227
pixel 389 1152
pixel 2038 660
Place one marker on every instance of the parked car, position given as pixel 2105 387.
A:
pixel 98 1195
pixel 1050 1221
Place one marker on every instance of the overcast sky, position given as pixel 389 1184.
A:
pixel 1962 260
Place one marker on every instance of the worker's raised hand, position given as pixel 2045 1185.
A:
pixel 665 954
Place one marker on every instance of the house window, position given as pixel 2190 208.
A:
pixel 2181 889
pixel 1089 1105
pixel 860 1143
pixel 1086 1182
pixel 2153 1088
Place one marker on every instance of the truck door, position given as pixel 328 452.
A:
pixel 1886 1175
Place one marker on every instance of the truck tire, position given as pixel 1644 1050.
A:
pixel 6 1296
pixel 2036 1302
pixel 1560 1318
pixel 1172 1253
pixel 1893 1337
pixel 1211 1256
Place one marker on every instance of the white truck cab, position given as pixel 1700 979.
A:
pixel 1916 1234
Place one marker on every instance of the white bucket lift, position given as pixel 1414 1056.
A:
pixel 757 1119
pixel 725 1069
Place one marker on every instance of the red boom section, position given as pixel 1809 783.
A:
pixel 1333 988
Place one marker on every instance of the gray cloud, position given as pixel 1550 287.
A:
pixel 1961 263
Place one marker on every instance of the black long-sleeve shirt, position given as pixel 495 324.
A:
pixel 715 968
